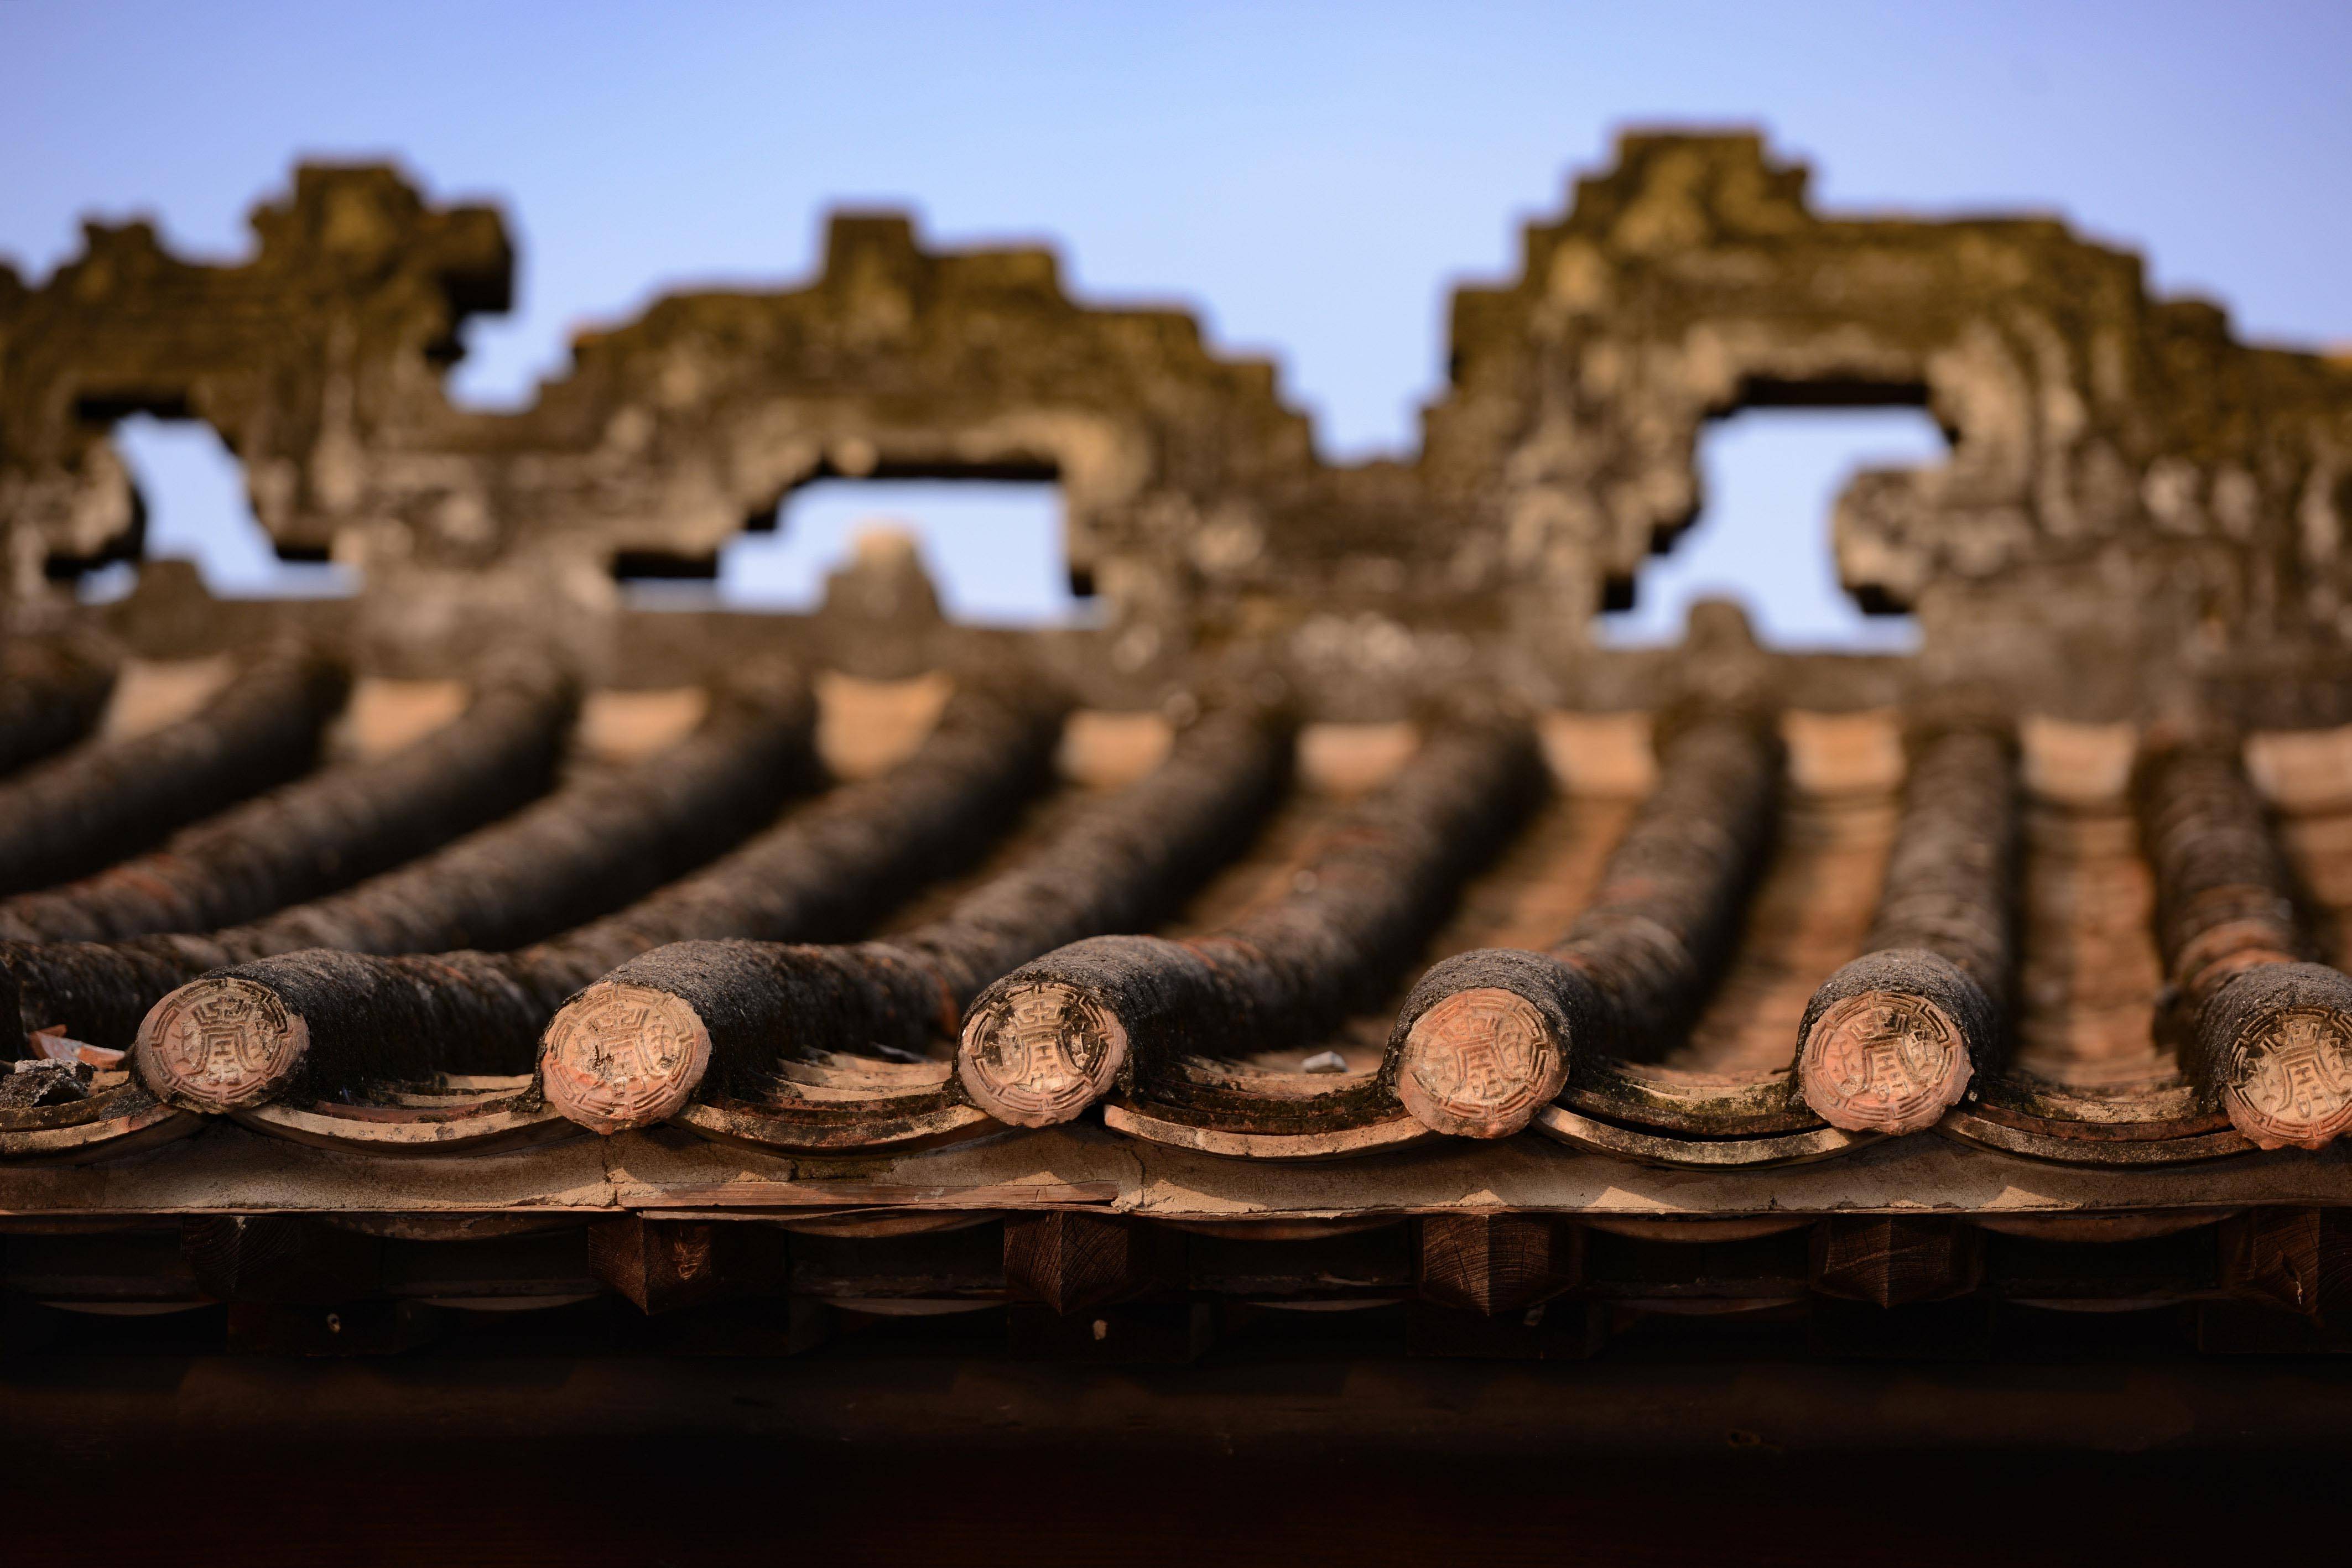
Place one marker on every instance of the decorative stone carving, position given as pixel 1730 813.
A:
pixel 2126 479
pixel 2115 458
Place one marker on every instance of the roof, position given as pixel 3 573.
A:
pixel 1335 879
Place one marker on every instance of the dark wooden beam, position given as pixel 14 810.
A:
pixel 1074 1262
pixel 2299 1258
pixel 1896 1259
pixel 1496 1264
pixel 279 1259
pixel 661 1265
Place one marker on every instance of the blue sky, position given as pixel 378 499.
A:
pixel 1309 178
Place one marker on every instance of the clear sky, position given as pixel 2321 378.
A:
pixel 1311 179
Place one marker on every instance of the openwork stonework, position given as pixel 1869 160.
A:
pixel 2128 487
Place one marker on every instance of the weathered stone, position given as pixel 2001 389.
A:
pixel 2131 494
